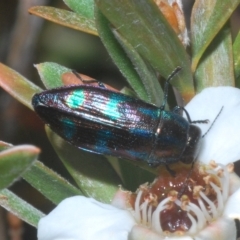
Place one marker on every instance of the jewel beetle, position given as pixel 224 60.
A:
pixel 102 121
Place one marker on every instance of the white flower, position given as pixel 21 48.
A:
pixel 222 141
pixel 210 218
pixel 85 218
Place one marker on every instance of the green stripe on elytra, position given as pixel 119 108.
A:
pixel 111 109
pixel 76 99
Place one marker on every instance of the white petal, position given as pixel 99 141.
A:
pixel 142 233
pixel 232 208
pixel 85 218
pixel 222 229
pixel 234 184
pixel 222 141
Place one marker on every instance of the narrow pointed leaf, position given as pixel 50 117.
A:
pixel 4 145
pixel 142 24
pixel 208 17
pixel 19 207
pixel 46 181
pixel 145 71
pixel 82 7
pixel 65 18
pixel 216 65
pixel 119 56
pixel 49 183
pixel 17 85
pixel 128 91
pixel 236 55
pixel 14 162
pixel 92 172
pixel 51 74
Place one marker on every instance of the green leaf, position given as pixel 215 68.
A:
pixel 144 27
pixel 19 207
pixel 128 91
pixel 92 172
pixel 14 161
pixel 82 7
pixel 49 183
pixel 17 85
pixel 46 181
pixel 133 173
pixel 208 17
pixel 4 145
pixel 65 18
pixel 147 74
pixel 236 56
pixel 51 74
pixel 216 65
pixel 119 56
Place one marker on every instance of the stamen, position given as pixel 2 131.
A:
pixel 156 222
pixel 225 181
pixel 159 207
pixel 219 197
pixel 211 205
pixel 150 215
pixel 193 228
pixel 143 208
pixel 201 220
pixel 136 206
pixel 204 209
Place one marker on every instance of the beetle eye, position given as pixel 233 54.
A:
pixel 192 146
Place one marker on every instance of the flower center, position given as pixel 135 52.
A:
pixel 185 203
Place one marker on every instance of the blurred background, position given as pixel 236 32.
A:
pixel 26 40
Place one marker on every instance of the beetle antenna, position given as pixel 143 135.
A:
pixel 212 123
pixel 175 71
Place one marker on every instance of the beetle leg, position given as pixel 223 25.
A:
pixel 172 172
pixel 100 84
pixel 165 92
pixel 177 108
pixel 186 180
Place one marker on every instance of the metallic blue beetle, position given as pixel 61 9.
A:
pixel 98 120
